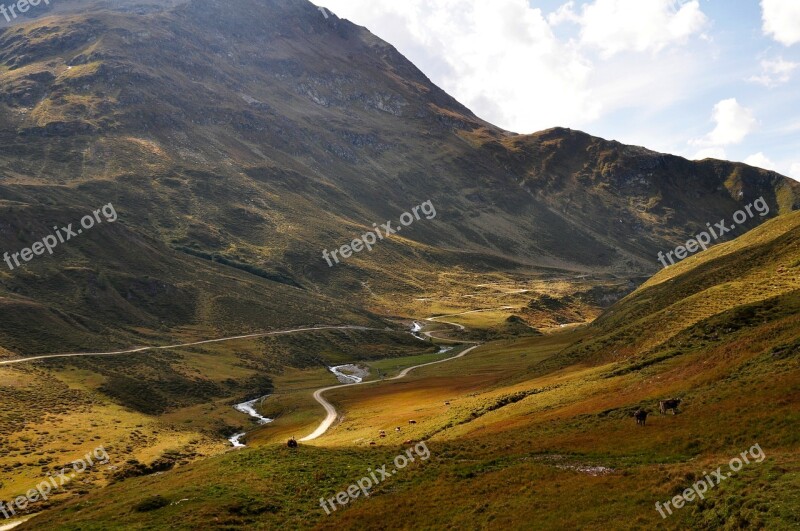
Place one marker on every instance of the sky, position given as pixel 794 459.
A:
pixel 696 78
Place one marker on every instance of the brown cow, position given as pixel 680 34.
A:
pixel 397 429
pixel 447 403
pixel 641 417
pixel 666 405
pixel 412 421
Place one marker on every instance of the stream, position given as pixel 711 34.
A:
pixel 355 374
pixel 415 329
pixel 249 409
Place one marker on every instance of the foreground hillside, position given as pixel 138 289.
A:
pixel 540 429
pixel 247 141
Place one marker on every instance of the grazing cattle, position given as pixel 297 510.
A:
pixel 397 429
pixel 641 417
pixel 412 421
pixel 373 443
pixel 447 403
pixel 292 443
pixel 383 435
pixel 666 405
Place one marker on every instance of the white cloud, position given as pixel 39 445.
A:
pixel 759 160
pixel 781 20
pixel 614 26
pixel 734 123
pixel 774 72
pixel 633 70
pixel 565 13
pixel 502 59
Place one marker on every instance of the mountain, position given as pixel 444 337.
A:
pixel 215 132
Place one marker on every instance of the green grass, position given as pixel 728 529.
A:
pixel 142 404
pixel 390 367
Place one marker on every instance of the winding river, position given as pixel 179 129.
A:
pixel 248 408
pixel 355 374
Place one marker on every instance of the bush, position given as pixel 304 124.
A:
pixel 151 504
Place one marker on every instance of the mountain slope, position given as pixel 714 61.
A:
pixel 706 298
pixel 216 131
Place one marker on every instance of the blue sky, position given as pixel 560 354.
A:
pixel 696 78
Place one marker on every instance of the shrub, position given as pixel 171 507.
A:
pixel 151 504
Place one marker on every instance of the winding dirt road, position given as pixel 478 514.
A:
pixel 331 416
pixel 165 347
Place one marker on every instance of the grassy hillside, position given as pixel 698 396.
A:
pixel 165 408
pixel 539 430
pixel 114 287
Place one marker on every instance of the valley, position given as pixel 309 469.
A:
pixel 530 421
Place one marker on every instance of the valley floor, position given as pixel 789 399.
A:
pixel 520 444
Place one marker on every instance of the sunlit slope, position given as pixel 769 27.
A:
pixel 705 297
